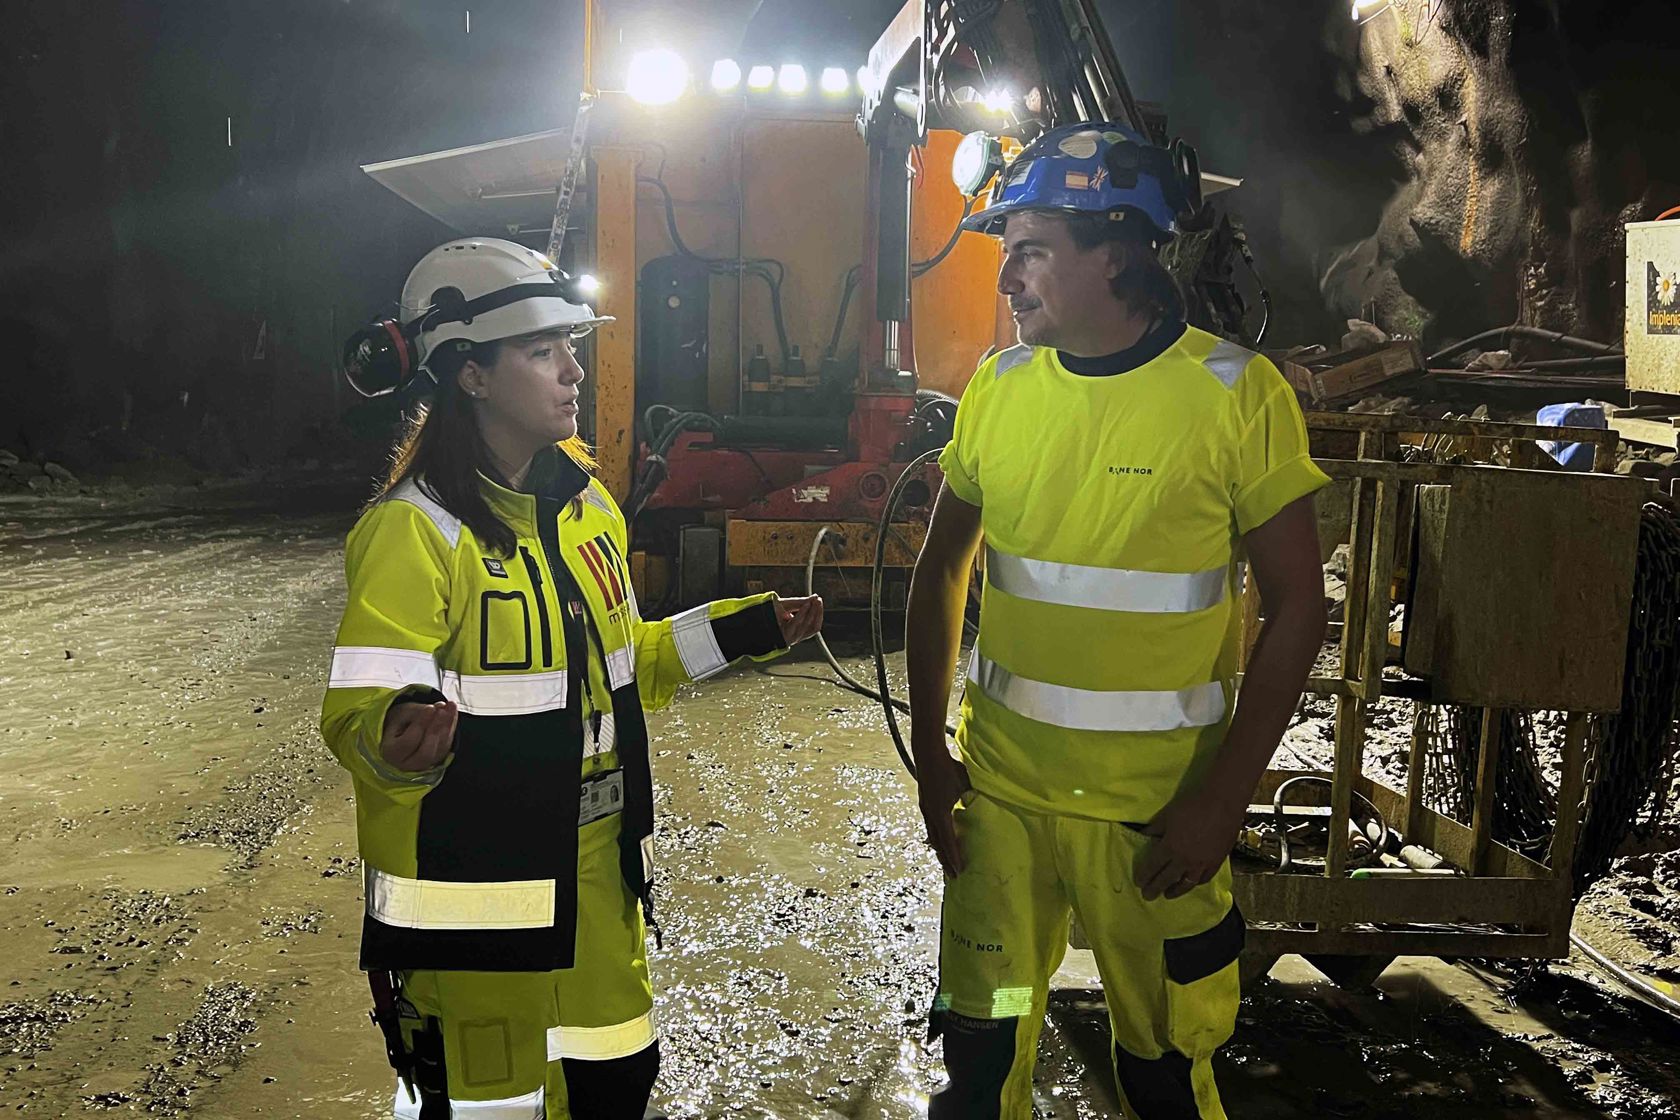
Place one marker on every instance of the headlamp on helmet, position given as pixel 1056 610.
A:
pixel 978 157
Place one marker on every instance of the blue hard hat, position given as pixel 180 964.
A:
pixel 1097 167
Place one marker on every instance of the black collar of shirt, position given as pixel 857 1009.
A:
pixel 1155 342
pixel 553 474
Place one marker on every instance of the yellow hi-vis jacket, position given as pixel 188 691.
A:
pixel 473 864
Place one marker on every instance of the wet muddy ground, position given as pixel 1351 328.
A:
pixel 180 897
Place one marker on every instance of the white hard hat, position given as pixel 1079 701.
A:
pixel 483 289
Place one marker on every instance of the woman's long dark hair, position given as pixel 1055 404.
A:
pixel 444 452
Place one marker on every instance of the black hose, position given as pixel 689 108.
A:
pixel 1517 330
pixel 1265 317
pixel 922 268
pixel 1265 293
pixel 1521 379
pixel 850 285
pixel 1265 296
pixel 828 654
pixel 760 267
pixel 658 445
pixel 776 314
pixel 917 269
pixel 1284 858
pixel 1637 984
pixel 1572 365
pixel 877 578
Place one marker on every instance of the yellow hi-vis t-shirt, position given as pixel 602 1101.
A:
pixel 1114 509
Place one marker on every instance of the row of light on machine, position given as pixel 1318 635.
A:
pixel 659 77
pixel 790 77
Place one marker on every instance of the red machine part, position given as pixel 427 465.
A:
pixel 776 485
pixel 703 476
pixel 878 424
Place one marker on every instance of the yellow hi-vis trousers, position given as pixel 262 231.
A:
pixel 510 1040
pixel 1169 967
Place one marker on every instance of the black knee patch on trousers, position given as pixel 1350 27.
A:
pixel 1159 1089
pixel 978 1056
pixel 614 1089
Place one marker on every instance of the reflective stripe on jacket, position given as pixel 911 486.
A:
pixel 473 864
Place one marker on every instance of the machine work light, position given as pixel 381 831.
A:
pixel 761 77
pixel 791 79
pixel 835 80
pixel 726 74
pixel 656 77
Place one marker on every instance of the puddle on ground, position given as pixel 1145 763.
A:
pixel 179 891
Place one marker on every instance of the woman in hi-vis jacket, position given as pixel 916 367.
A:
pixel 487 693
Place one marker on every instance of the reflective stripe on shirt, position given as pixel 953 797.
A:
pixel 1227 361
pixel 1082 709
pixel 1104 589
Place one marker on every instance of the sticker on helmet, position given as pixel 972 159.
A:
pixel 1113 137
pixel 1081 145
pixel 1076 181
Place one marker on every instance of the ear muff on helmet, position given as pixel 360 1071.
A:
pixel 380 358
pixel 1187 171
pixel 383 357
pixel 1178 170
pixel 1125 160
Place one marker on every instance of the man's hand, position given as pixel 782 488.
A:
pixel 940 781
pixel 418 736
pixel 1193 836
pixel 799 618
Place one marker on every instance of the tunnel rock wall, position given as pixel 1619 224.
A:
pixel 1529 133
pixel 1442 166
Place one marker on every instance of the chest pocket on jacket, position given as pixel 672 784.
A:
pixel 504 636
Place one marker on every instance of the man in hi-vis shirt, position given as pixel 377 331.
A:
pixel 1121 466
